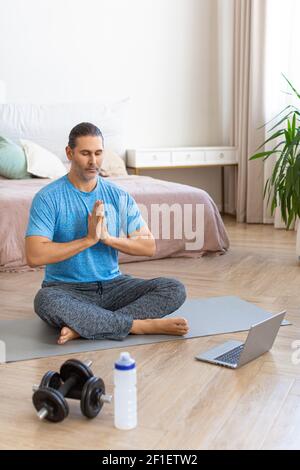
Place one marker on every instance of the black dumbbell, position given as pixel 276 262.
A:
pixel 49 401
pixel 93 397
pixel 49 397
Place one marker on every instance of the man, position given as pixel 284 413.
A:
pixel 75 228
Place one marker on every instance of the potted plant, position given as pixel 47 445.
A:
pixel 283 186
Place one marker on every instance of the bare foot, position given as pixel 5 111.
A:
pixel 164 326
pixel 67 334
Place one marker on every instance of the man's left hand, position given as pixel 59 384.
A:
pixel 102 226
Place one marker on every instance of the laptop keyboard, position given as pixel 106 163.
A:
pixel 231 357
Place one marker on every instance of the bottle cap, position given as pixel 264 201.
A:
pixel 125 362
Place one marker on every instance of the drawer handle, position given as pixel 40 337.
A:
pixel 188 155
pixel 221 155
pixel 154 157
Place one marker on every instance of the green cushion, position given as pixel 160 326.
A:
pixel 13 163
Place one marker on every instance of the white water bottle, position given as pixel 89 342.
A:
pixel 125 396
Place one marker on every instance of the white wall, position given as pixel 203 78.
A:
pixel 164 54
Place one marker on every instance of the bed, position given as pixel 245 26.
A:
pixel 48 125
pixel 16 197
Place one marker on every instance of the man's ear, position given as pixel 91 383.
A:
pixel 69 153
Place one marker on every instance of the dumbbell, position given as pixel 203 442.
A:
pixel 75 380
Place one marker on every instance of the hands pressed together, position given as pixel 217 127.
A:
pixel 139 243
pixel 97 228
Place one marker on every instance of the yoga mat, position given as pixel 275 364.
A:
pixel 32 338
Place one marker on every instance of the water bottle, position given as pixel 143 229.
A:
pixel 125 396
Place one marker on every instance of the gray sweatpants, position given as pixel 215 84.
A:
pixel 106 309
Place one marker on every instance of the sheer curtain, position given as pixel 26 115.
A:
pixel 282 57
pixel 265 46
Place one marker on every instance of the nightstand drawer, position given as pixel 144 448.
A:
pixel 186 157
pixel 220 156
pixel 149 158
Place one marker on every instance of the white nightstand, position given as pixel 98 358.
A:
pixel 182 157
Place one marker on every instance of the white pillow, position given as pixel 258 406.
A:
pixel 41 162
pixel 112 164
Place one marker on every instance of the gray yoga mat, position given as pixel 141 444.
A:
pixel 31 339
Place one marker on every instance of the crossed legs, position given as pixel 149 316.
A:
pixel 127 305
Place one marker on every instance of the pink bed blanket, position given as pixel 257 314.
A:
pixel 16 197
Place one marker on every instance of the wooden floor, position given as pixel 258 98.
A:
pixel 182 403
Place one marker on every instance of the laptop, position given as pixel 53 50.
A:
pixel 235 354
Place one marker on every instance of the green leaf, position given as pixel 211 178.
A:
pixel 277 115
pixel 294 89
pixel 263 154
pixel 274 136
pixel 284 119
pixel 294 124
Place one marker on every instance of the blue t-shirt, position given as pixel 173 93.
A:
pixel 59 211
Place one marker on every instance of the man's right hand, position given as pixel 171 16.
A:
pixel 42 250
pixel 95 223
